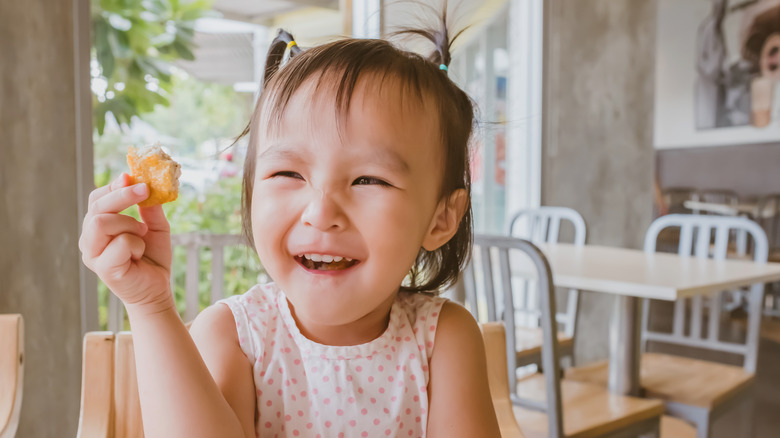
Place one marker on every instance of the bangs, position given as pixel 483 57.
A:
pixel 333 71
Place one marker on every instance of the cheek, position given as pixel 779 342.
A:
pixel 396 223
pixel 271 217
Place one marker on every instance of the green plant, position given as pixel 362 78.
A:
pixel 134 43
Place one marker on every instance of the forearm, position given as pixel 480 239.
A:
pixel 178 395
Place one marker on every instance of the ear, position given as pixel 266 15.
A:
pixel 446 220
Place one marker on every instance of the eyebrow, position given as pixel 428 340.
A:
pixel 281 151
pixel 384 157
pixel 390 159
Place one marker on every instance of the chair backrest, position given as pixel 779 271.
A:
pixel 542 225
pixel 717 196
pixel 674 197
pixel 11 373
pixel 709 237
pixel 768 210
pixel 110 406
pixel 491 267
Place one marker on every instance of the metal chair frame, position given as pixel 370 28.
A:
pixel 550 353
pixel 696 239
pixel 495 253
pixel 543 225
pixel 716 196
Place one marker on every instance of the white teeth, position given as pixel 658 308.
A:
pixel 325 258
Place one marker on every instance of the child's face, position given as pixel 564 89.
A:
pixel 368 195
pixel 770 57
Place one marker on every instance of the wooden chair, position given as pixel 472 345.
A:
pixel 542 225
pixel 11 373
pixel 696 390
pixel 110 406
pixel 494 336
pixel 544 404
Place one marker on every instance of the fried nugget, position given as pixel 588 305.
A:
pixel 151 165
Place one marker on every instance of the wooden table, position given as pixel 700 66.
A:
pixel 633 274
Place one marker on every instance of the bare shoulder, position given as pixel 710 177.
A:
pixel 215 321
pixel 458 338
pixel 456 321
pixel 460 403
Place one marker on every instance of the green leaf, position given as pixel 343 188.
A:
pixel 139 44
pixel 183 51
pixel 105 55
pixel 100 119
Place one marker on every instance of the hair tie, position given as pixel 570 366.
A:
pixel 443 67
pixel 290 44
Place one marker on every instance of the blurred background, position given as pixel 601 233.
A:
pixel 579 106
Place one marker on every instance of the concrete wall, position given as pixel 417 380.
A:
pixel 750 170
pixel 39 206
pixel 598 155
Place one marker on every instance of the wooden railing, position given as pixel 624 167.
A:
pixel 192 243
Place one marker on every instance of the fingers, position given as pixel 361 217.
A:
pixel 118 183
pixel 120 252
pixel 117 200
pixel 98 231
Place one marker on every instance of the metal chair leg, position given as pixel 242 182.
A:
pixel 704 428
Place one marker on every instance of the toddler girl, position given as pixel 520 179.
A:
pixel 356 197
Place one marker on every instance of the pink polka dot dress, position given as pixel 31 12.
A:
pixel 307 389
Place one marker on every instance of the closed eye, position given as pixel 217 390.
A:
pixel 370 180
pixel 288 174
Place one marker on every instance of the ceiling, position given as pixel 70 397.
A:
pixel 228 49
pixel 260 11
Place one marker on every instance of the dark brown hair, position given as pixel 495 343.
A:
pixel 764 25
pixel 341 64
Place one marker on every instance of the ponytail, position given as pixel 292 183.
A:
pixel 439 36
pixel 276 51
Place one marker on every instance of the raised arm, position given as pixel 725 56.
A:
pixel 179 397
pixel 460 402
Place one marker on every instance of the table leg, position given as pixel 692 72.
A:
pixel 624 346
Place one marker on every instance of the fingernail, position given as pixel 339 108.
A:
pixel 140 189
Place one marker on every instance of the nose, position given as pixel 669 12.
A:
pixel 323 212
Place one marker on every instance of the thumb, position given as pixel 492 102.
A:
pixel 154 217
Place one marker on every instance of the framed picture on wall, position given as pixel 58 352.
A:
pixel 717 73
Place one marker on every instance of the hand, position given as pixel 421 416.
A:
pixel 132 258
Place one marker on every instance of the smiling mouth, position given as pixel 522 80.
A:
pixel 324 263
